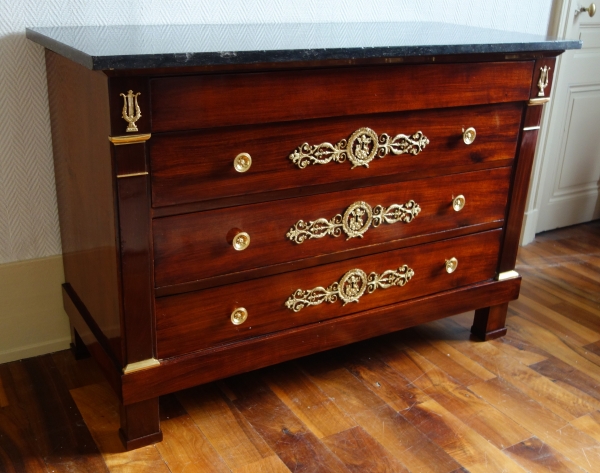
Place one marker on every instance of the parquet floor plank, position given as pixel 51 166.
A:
pixel 99 407
pixel 578 256
pixel 561 401
pixel 534 455
pixel 379 420
pixel 581 287
pixel 543 286
pixel 462 443
pixel 77 373
pixel 18 450
pixel 568 377
pixel 61 438
pixel 299 449
pixel 590 424
pixel 227 430
pixel 552 429
pixel 488 356
pixel 307 401
pixel 554 321
pixel 594 348
pixel 548 299
pixel 585 270
pixel 561 349
pixel 449 351
pixel 272 464
pixel 584 316
pixel 17 447
pixel 459 367
pixel 555 254
pixel 480 416
pixel 387 383
pixel 184 448
pixel 362 453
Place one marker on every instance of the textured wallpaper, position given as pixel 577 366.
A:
pixel 28 214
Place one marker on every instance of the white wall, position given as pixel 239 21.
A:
pixel 28 214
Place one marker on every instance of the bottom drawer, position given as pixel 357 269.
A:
pixel 198 320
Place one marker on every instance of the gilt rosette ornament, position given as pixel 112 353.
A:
pixel 360 149
pixel 355 221
pixel 350 288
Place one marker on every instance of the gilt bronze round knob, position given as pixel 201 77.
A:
pixel 241 241
pixel 469 135
pixel 451 265
pixel 458 203
pixel 239 316
pixel 242 162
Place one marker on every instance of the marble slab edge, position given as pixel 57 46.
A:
pixel 215 58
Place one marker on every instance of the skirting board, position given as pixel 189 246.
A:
pixel 530 220
pixel 32 318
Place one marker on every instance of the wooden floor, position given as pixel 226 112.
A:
pixel 423 400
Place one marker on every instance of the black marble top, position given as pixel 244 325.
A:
pixel 126 47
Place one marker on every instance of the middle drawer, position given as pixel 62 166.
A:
pixel 202 245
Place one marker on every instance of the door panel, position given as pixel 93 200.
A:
pixel 568 190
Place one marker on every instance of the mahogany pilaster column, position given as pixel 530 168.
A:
pixel 140 423
pixel 489 322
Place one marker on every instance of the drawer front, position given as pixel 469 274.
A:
pixel 202 319
pixel 199 166
pixel 186 103
pixel 195 246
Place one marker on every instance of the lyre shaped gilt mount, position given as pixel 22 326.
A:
pixel 350 288
pixel 355 221
pixel 360 149
pixel 131 110
pixel 543 82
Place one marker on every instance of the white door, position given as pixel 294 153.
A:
pixel 568 191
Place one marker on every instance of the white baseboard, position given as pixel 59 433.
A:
pixel 37 349
pixel 32 319
pixel 530 221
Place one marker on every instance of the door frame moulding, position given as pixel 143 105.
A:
pixel 558 24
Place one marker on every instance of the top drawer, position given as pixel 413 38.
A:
pixel 199 166
pixel 185 103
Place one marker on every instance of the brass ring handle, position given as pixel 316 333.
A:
pixel 591 9
pixel 241 241
pixel 242 162
pixel 469 135
pixel 451 265
pixel 458 203
pixel 239 316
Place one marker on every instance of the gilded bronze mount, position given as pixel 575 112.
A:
pixel 360 149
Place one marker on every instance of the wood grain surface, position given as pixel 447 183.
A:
pixel 86 192
pixel 197 246
pixel 199 320
pixel 198 165
pixel 423 399
pixel 183 103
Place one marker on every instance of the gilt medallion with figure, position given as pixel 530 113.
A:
pixel 360 149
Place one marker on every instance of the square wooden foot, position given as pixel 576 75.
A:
pixel 140 424
pixel 489 322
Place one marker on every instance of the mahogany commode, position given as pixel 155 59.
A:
pixel 235 196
